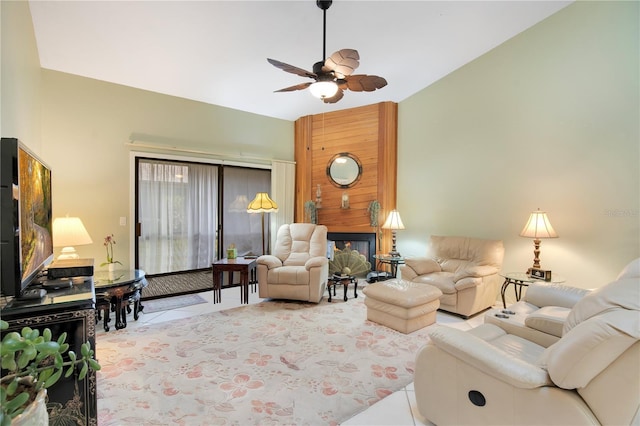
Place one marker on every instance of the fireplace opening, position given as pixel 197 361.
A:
pixel 363 243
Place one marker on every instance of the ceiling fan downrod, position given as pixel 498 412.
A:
pixel 324 5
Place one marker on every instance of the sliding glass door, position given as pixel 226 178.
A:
pixel 239 228
pixel 189 213
pixel 177 209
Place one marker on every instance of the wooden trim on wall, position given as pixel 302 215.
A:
pixel 369 133
pixel 302 152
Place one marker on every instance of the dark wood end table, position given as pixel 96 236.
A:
pixel 345 280
pixel 246 267
pixel 116 291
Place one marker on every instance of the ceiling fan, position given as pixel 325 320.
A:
pixel 334 75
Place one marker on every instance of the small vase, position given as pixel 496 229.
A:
pixel 35 414
pixel 111 267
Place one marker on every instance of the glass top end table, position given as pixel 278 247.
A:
pixel 522 279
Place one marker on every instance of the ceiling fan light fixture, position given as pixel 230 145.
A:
pixel 323 89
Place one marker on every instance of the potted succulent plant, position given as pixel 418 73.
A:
pixel 31 363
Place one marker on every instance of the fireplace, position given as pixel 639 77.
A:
pixel 363 243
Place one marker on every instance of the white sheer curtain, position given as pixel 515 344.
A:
pixel 283 181
pixel 178 213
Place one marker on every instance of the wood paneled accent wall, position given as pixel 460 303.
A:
pixel 369 133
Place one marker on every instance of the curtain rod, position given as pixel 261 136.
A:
pixel 138 144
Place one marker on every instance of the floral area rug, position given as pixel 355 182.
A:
pixel 274 362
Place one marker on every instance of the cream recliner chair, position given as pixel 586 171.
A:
pixel 591 375
pixel 540 315
pixel 298 268
pixel 464 269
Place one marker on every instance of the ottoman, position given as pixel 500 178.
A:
pixel 402 305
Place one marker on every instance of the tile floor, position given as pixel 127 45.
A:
pixel 398 409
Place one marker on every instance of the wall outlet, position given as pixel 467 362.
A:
pixel 123 221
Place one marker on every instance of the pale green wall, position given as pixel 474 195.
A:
pixel 21 82
pixel 547 120
pixel 87 123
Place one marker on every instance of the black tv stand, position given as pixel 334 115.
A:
pixel 69 310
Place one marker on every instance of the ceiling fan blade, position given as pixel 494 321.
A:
pixel 300 86
pixel 335 98
pixel 364 82
pixel 291 69
pixel 342 63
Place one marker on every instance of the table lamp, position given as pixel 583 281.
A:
pixel 69 232
pixel 262 204
pixel 538 227
pixel 394 223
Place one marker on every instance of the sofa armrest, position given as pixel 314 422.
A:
pixel 489 359
pixel 547 294
pixel 548 319
pixel 422 265
pixel 315 262
pixel 269 261
pixel 407 272
pixel 478 271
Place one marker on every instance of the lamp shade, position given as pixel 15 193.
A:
pixel 538 226
pixel 393 221
pixel 262 204
pixel 69 231
pixel 239 204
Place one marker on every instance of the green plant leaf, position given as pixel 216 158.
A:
pixel 9 363
pixel 12 387
pixel 83 371
pixel 45 374
pixel 62 338
pixel 84 350
pixel 69 371
pixel 48 348
pixel 12 342
pixel 16 402
pixel 94 364
pixel 53 379
pixel 58 361
pixel 26 356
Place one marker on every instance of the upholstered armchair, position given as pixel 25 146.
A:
pixel 464 269
pixel 591 375
pixel 298 268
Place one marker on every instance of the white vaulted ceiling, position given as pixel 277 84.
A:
pixel 216 51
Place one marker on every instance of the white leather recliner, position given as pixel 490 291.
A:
pixel 540 315
pixel 298 268
pixel 591 375
pixel 464 269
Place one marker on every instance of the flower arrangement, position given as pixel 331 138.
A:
pixel 109 242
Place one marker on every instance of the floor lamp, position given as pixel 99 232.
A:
pixel 262 204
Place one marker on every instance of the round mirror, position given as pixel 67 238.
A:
pixel 344 170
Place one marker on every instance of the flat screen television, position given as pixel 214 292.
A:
pixel 26 243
